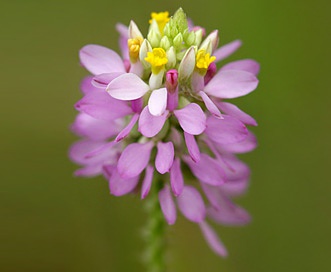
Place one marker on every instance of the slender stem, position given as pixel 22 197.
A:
pixel 155 231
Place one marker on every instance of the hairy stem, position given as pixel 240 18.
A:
pixel 155 231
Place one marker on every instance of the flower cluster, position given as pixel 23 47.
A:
pixel 157 114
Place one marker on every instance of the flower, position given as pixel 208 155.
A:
pixel 161 106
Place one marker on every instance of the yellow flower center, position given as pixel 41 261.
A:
pixel 157 58
pixel 203 60
pixel 134 47
pixel 161 18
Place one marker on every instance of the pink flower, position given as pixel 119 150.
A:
pixel 160 107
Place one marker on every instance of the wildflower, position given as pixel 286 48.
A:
pixel 161 106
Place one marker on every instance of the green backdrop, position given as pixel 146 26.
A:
pixel 52 221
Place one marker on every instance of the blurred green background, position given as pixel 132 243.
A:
pixel 54 222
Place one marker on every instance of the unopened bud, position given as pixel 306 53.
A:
pixel 134 31
pixel 198 36
pixel 212 38
pixel 171 56
pixel 172 88
pixel 178 40
pixel 165 43
pixel 144 49
pixel 171 80
pixel 187 64
pixel 154 38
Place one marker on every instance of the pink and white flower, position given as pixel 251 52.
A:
pixel 159 108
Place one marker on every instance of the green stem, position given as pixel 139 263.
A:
pixel 155 231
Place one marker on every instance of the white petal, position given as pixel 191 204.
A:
pixel 157 102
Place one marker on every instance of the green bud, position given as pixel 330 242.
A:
pixel 198 37
pixel 154 26
pixel 154 38
pixel 180 20
pixel 190 39
pixel 178 41
pixel 171 56
pixel 173 31
pixel 165 43
pixel 166 29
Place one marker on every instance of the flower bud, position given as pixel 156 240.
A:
pixel 187 64
pixel 212 38
pixel 144 49
pixel 165 43
pixel 171 56
pixel 172 88
pixel 134 31
pixel 198 36
pixel 154 26
pixel 154 38
pixel 171 80
pixel 178 41
pixel 190 38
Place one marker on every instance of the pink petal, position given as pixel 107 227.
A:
pixel 207 170
pixel 231 84
pixel 176 137
pixel 176 178
pixel 191 204
pixel 99 60
pixel 102 80
pixel 226 50
pixel 164 157
pixel 226 131
pixel 101 151
pixel 244 146
pixel 157 102
pixel 210 105
pixel 95 129
pixel 223 210
pixel 79 149
pixel 127 87
pixel 234 111
pixel 212 194
pixel 167 205
pixel 235 169
pixel 192 119
pixel 134 159
pixel 236 187
pixel 89 171
pixel 147 182
pixel 150 125
pixel 123 40
pixel 198 81
pixel 192 147
pixel 212 239
pixel 87 87
pixel 101 105
pixel 126 131
pixel 247 65
pixel 229 214
pixel 119 185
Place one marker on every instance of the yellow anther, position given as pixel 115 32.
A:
pixel 134 47
pixel 161 18
pixel 157 58
pixel 203 60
